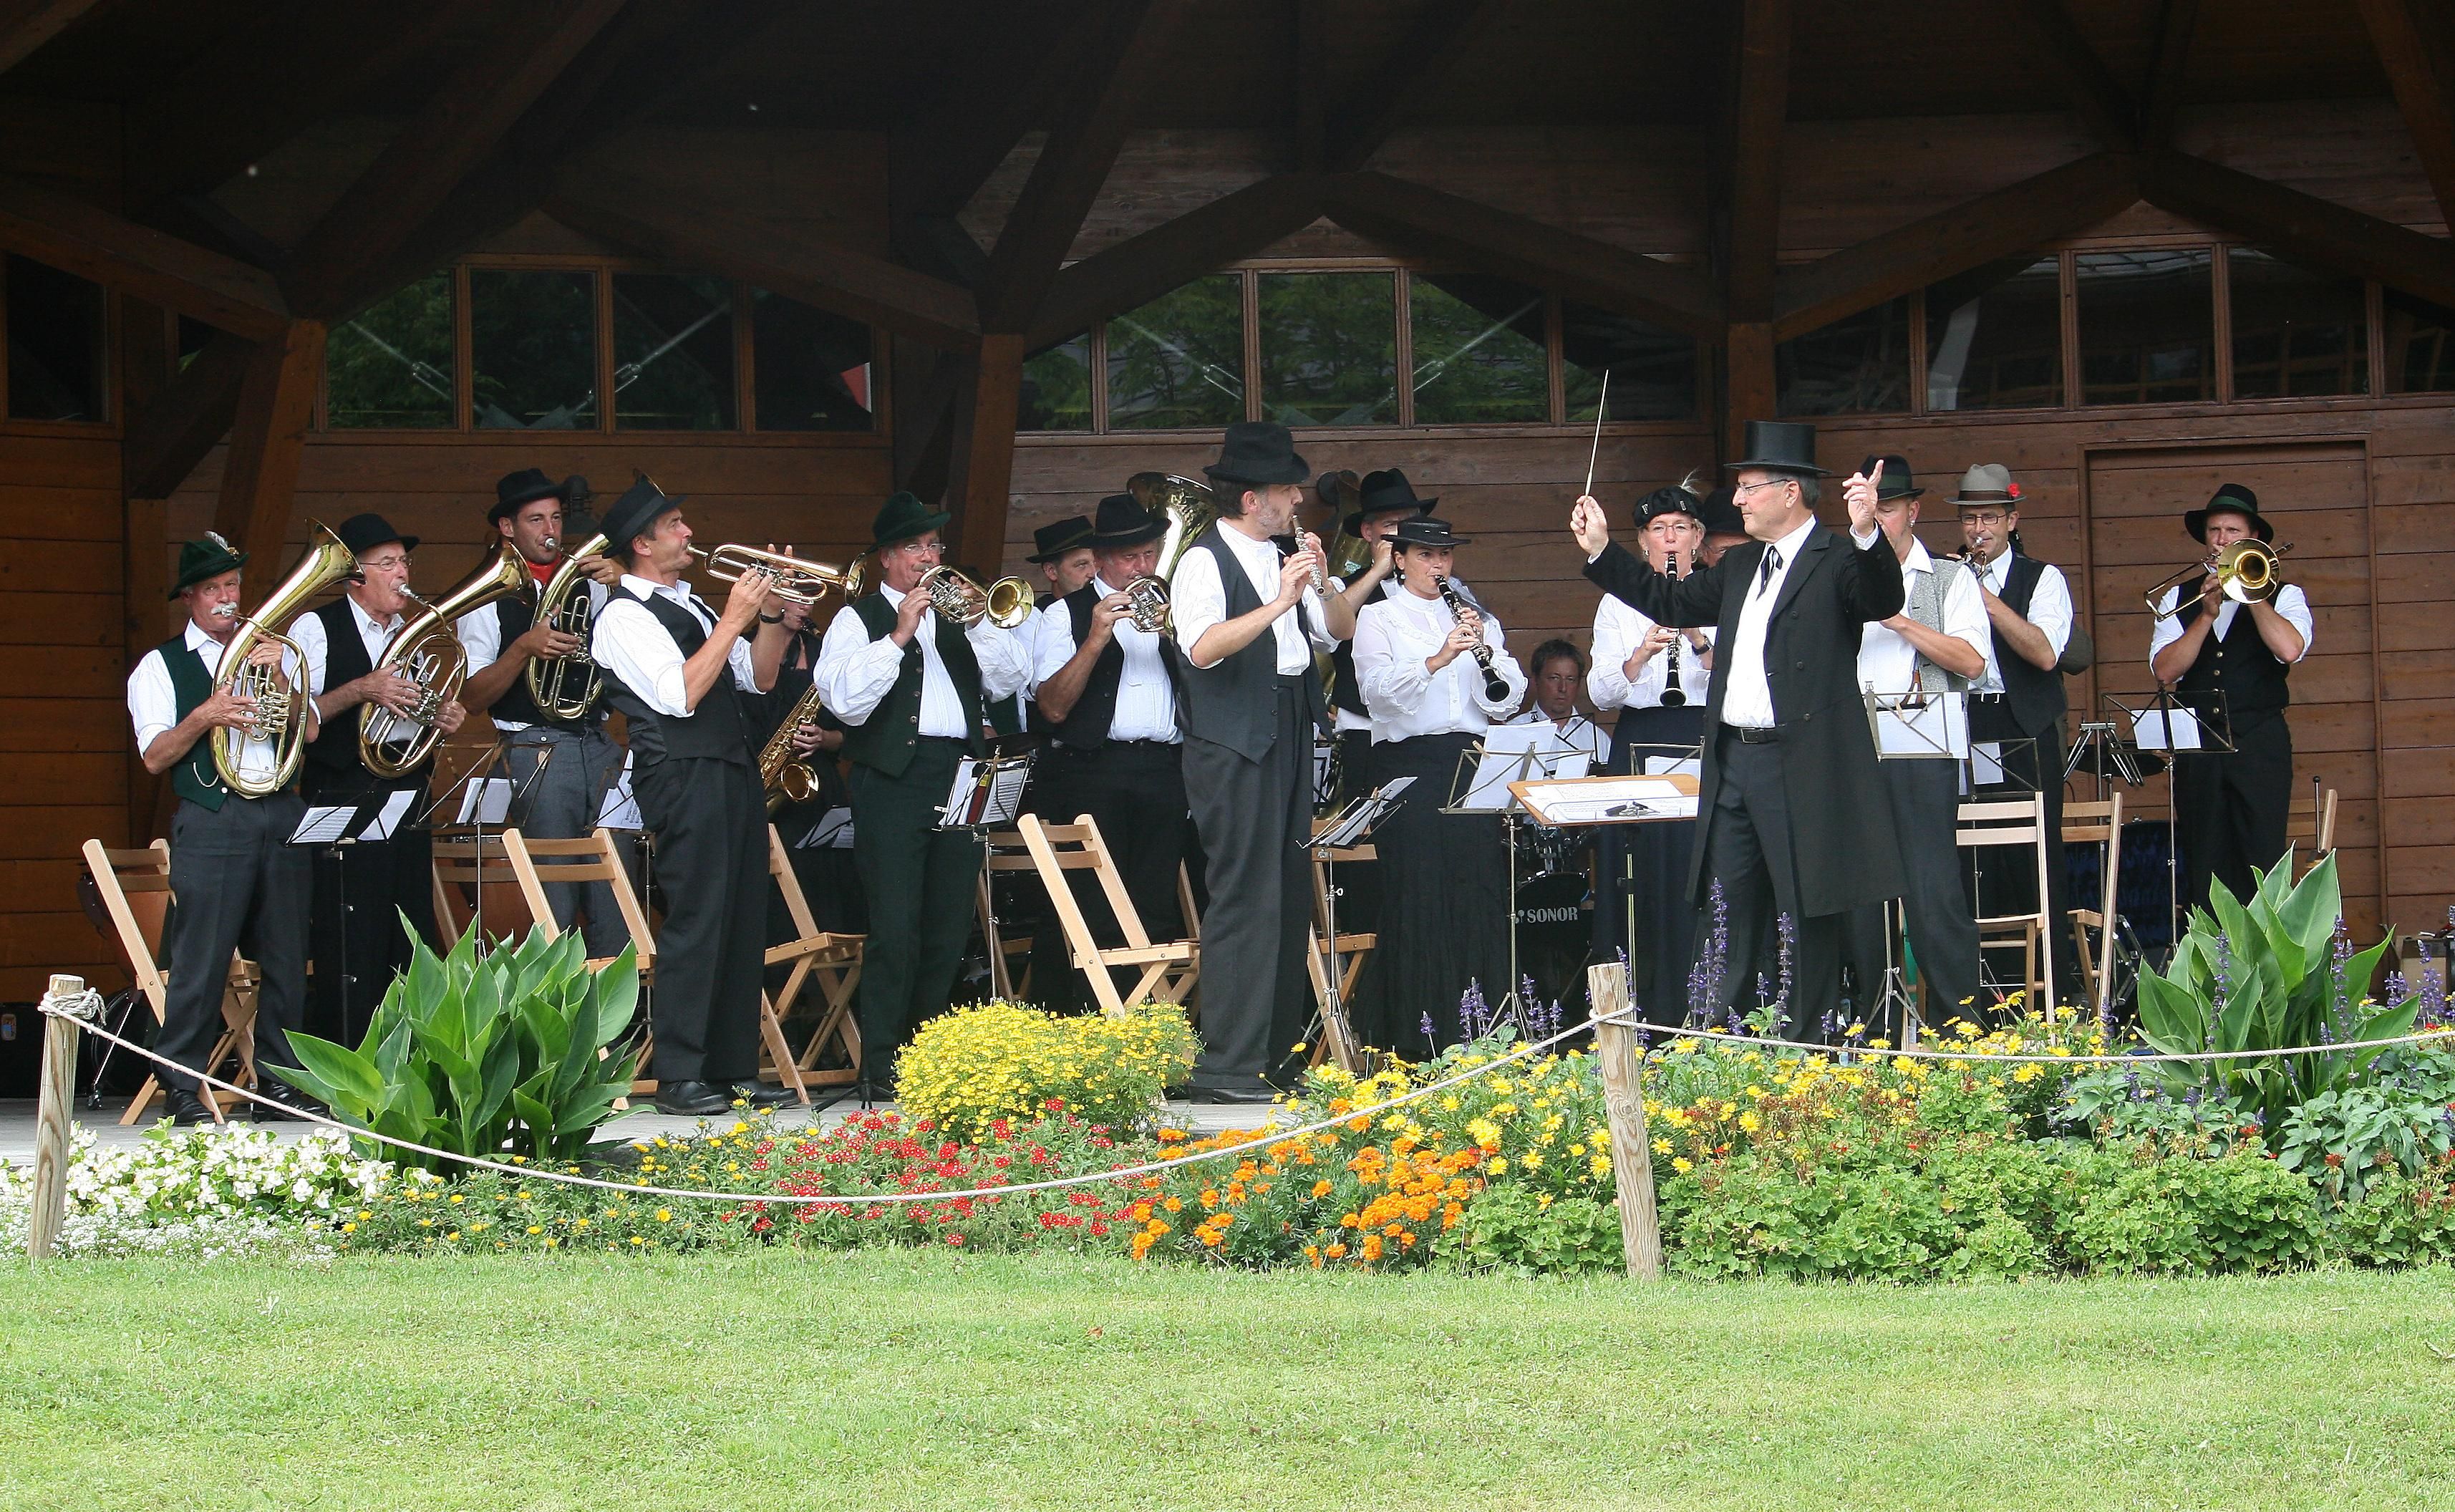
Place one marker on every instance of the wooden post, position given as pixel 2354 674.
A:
pixel 51 1123
pixel 1640 1230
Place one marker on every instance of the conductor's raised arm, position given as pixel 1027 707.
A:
pixel 1696 599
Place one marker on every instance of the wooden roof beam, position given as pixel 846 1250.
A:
pixel 1432 223
pixel 25 25
pixel 2416 46
pixel 2303 227
pixel 1142 268
pixel 1759 109
pixel 2097 97
pixel 685 229
pixel 67 233
pixel 1310 68
pixel 170 435
pixel 1444 34
pixel 2003 224
pixel 2175 23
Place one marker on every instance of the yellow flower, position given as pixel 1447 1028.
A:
pixel 664 1215
pixel 1679 1163
pixel 1499 1167
pixel 535 1228
pixel 1750 1121
pixel 636 1240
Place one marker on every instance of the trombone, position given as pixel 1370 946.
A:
pixel 2246 571
pixel 797 581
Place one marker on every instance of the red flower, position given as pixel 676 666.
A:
pixel 2013 488
pixel 956 1240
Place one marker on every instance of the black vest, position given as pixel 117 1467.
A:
pixel 514 616
pixel 195 777
pixel 333 763
pixel 1086 725
pixel 717 730
pixel 887 739
pixel 1235 703
pixel 2238 665
pixel 2033 696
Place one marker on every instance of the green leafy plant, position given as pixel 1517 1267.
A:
pixel 507 1054
pixel 969 1070
pixel 2177 1214
pixel 2347 1137
pixel 2265 974
pixel 1514 1227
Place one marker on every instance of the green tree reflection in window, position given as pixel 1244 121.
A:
pixel 1178 363
pixel 1057 387
pixel 1330 348
pixel 533 348
pixel 391 367
pixel 1479 355
pixel 673 353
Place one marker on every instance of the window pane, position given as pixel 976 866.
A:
pixel 1179 361
pixel 1057 387
pixel 533 348
pixel 1653 371
pixel 812 366
pixel 2420 339
pixel 391 367
pixel 673 353
pixel 1995 339
pixel 1330 348
pixel 1479 351
pixel 2297 332
pixel 55 369
pixel 1857 365
pixel 2148 326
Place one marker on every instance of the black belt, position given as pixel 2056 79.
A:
pixel 1750 734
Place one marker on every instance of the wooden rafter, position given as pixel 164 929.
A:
pixel 1759 108
pixel 277 405
pixel 1433 223
pixel 682 228
pixel 988 95
pixel 25 25
pixel 2003 224
pixel 1447 33
pixel 1144 266
pixel 2303 227
pixel 2097 97
pixel 2416 47
pixel 169 434
pixel 2175 23
pixel 69 232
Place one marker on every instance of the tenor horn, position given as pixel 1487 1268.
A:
pixel 427 651
pixel 565 688
pixel 1188 508
pixel 282 700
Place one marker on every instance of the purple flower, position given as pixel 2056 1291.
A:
pixel 1788 929
pixel 1428 1030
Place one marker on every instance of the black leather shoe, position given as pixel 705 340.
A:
pixel 186 1109
pixel 759 1095
pixel 282 1100
pixel 693 1100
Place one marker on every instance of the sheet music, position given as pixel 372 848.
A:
pixel 1604 800
pixel 1521 753
pixel 1362 815
pixel 485 800
pixel 2148 730
pixel 969 801
pixel 621 810
pixel 1665 766
pixel 322 826
pixel 1986 764
pixel 1937 726
pixel 387 820
pixel 832 831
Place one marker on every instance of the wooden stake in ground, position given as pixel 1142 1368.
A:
pixel 1640 1230
pixel 51 1123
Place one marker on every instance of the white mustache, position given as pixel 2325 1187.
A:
pixel 225 611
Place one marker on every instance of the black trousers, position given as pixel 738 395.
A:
pixel 1748 851
pixel 240 888
pixel 363 890
pixel 710 820
pixel 1943 932
pixel 2230 807
pixel 562 776
pixel 2007 880
pixel 1254 818
pixel 919 880
pixel 1134 791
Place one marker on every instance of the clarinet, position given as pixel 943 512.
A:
pixel 1494 686
pixel 1674 696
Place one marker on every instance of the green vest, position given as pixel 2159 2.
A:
pixel 885 740
pixel 194 779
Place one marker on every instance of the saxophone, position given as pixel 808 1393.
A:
pixel 788 781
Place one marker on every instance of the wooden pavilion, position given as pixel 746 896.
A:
pixel 281 259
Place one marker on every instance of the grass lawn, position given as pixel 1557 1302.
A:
pixel 896 1380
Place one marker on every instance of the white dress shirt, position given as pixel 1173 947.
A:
pixel 1199 600
pixel 2050 607
pixel 1393 639
pixel 1145 697
pixel 481 636
pixel 153 704
pixel 629 641
pixel 1576 730
pixel 1618 630
pixel 1887 661
pixel 308 631
pixel 1747 700
pixel 1343 720
pixel 2290 602
pixel 855 673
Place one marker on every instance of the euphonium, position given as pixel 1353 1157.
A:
pixel 1005 603
pixel 1188 508
pixel 1348 555
pixel 565 688
pixel 427 651
pixel 280 700
pixel 1495 686
pixel 786 780
pixel 2246 571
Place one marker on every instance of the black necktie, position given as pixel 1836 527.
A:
pixel 1772 565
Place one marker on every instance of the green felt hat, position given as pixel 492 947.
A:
pixel 204 559
pixel 902 517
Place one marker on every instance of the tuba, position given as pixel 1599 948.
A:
pixel 2246 571
pixel 1348 554
pixel 281 700
pixel 565 688
pixel 427 651
pixel 1188 508
pixel 1005 603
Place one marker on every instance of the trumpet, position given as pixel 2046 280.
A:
pixel 281 700
pixel 565 688
pixel 1005 603
pixel 427 651
pixel 1495 686
pixel 2246 572
pixel 797 581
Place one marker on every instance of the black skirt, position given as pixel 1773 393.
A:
pixel 1444 924
pixel 1649 863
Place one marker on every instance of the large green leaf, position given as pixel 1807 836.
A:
pixel 2170 1016
pixel 2310 911
pixel 348 1081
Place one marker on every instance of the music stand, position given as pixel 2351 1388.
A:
pixel 2163 722
pixel 986 793
pixel 1345 830
pixel 331 826
pixel 1918 725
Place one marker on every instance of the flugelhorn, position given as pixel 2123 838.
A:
pixel 797 581
pixel 281 700
pixel 1005 603
pixel 427 651
pixel 2246 571
pixel 565 688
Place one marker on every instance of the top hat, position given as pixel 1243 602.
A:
pixel 635 514
pixel 1720 512
pixel 363 533
pixel 1896 481
pixel 199 560
pixel 1673 500
pixel 1424 531
pixel 1257 454
pixel 1988 483
pixel 1124 523
pixel 515 488
pixel 1050 542
pixel 1780 446
pixel 904 516
pixel 2230 498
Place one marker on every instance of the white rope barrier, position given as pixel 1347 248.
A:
pixel 1629 1021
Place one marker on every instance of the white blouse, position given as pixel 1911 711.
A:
pixel 1393 639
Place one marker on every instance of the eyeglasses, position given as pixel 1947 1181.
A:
pixel 1771 482
pixel 1985 518
pixel 384 564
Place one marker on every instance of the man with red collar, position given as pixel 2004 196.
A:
pixel 503 640
pixel 2229 660
pixel 240 885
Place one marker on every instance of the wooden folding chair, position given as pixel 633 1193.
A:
pixel 1168 971
pixel 2099 825
pixel 1006 854
pixel 1352 948
pixel 834 962
pixel 467 876
pixel 136 889
pixel 589 859
pixel 2310 824
pixel 2002 825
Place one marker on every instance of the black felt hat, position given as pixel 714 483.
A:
pixel 1424 531
pixel 1050 542
pixel 1673 500
pixel 1257 454
pixel 1721 513
pixel 902 517
pixel 1124 523
pixel 203 559
pixel 1385 493
pixel 1896 481
pixel 2230 498
pixel 515 488
pixel 363 533
pixel 635 514
pixel 1780 446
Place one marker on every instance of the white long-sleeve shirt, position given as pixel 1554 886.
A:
pixel 629 641
pixel 1145 696
pixel 2050 606
pixel 1887 661
pixel 1198 600
pixel 153 703
pixel 307 632
pixel 1393 639
pixel 1747 698
pixel 481 637
pixel 855 673
pixel 1618 630
pixel 2290 602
